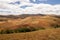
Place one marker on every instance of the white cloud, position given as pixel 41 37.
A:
pixel 43 9
pixel 40 0
pixel 6 8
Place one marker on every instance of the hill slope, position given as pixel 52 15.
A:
pixel 32 21
pixel 48 34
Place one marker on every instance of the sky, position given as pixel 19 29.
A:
pixel 17 7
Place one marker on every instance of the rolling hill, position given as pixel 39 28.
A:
pixel 48 34
pixel 30 27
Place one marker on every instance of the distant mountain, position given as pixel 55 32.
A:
pixel 25 15
pixel 20 16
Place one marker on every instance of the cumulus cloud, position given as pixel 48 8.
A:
pixel 43 9
pixel 9 9
pixel 6 8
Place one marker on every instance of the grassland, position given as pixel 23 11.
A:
pixel 48 28
pixel 48 34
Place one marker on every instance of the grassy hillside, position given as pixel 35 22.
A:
pixel 33 21
pixel 48 34
pixel 30 27
pixel 41 21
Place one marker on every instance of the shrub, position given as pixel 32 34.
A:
pixel 55 25
pixel 6 31
pixel 18 30
pixel 9 31
pixel 24 29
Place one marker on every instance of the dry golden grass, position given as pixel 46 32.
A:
pixel 40 21
pixel 33 21
pixel 48 34
pixel 9 24
pixel 47 22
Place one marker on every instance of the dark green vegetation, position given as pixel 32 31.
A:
pixel 25 29
pixel 30 27
pixel 27 23
pixel 20 30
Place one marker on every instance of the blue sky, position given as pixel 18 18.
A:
pixel 40 1
pixel 52 2
pixel 16 7
pixel 46 1
pixel 16 2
